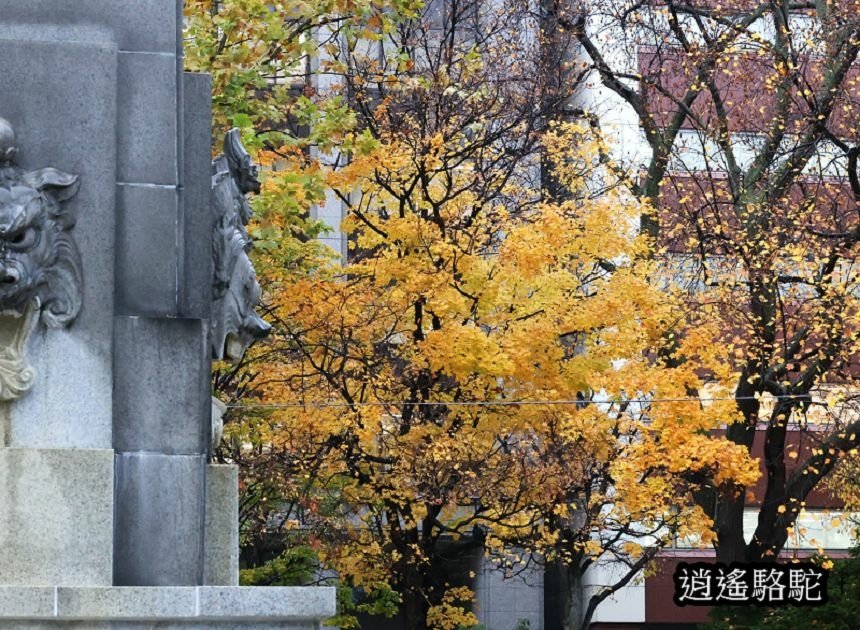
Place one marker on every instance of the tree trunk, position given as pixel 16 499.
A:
pixel 729 517
pixel 729 526
pixel 574 598
pixel 414 609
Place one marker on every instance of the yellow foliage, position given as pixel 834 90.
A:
pixel 450 614
pixel 438 370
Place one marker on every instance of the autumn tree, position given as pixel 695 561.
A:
pixel 460 379
pixel 262 57
pixel 466 379
pixel 484 370
pixel 748 115
pixel 844 481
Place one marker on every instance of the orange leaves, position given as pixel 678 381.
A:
pixel 446 315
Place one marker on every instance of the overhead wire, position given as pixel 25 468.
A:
pixel 508 403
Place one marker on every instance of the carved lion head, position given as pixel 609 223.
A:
pixel 242 168
pixel 39 260
pixel 235 321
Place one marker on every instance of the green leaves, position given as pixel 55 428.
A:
pixel 295 567
pixel 243 121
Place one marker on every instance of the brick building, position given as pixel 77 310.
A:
pixel 741 104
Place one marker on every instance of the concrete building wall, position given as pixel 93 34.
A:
pixel 625 606
pixel 508 600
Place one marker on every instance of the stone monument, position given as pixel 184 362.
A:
pixel 111 514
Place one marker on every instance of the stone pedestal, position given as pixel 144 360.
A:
pixel 221 533
pixel 171 608
pixel 110 514
pixel 161 435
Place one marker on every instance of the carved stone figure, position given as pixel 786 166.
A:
pixel 40 267
pixel 235 322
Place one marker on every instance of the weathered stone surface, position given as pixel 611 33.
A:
pixel 196 196
pixel 63 108
pixel 147 251
pixel 159 519
pixel 167 607
pixel 31 603
pixel 161 386
pixel 126 602
pixel 266 602
pixel 56 516
pixel 96 92
pixel 221 539
pixel 147 126
pixel 151 26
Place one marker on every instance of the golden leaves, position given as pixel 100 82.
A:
pixel 444 317
pixel 451 614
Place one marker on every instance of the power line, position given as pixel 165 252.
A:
pixel 512 403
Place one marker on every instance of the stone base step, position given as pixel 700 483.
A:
pixel 165 607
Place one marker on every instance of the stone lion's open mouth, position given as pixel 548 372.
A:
pixel 234 347
pixel 16 374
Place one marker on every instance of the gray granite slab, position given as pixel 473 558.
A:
pixel 31 603
pixel 159 519
pixel 56 517
pixel 166 607
pixel 198 217
pixel 152 26
pixel 147 254
pixel 266 602
pixel 221 538
pixel 161 386
pixel 147 129
pixel 127 602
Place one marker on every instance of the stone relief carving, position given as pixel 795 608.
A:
pixel 40 267
pixel 235 322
